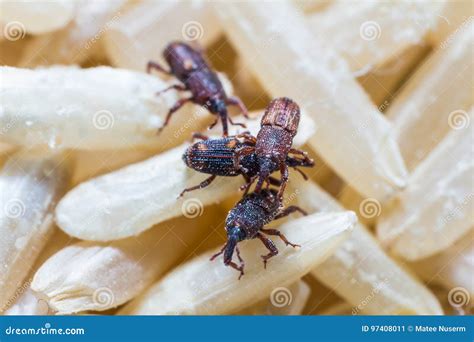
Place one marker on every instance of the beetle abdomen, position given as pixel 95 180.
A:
pixel 213 156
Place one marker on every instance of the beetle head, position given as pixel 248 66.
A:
pixel 216 105
pixel 267 166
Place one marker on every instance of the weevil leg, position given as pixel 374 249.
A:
pixel 235 101
pixel 248 138
pixel 236 123
pixel 242 262
pixel 238 268
pixel 270 246
pixel 213 124
pixel 274 181
pixel 173 109
pixel 306 159
pixel 178 87
pixel 252 141
pixel 298 152
pixel 289 210
pixel 218 253
pixel 244 133
pixel 284 179
pixel 301 173
pixel 201 185
pixel 197 135
pixel 242 152
pixel 259 185
pixel 280 235
pixel 247 179
pixel 238 255
pixel 225 128
pixel 156 66
pixel 245 187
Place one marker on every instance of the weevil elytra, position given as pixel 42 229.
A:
pixel 216 157
pixel 274 142
pixel 247 220
pixel 190 67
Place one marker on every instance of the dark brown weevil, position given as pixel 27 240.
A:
pixel 279 125
pixel 247 220
pixel 189 66
pixel 216 157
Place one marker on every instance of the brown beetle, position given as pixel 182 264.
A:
pixel 189 66
pixel 273 143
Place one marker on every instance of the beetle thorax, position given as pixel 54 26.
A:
pixel 273 143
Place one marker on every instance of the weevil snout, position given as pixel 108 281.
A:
pixel 235 234
pixel 233 238
pixel 229 250
pixel 267 166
